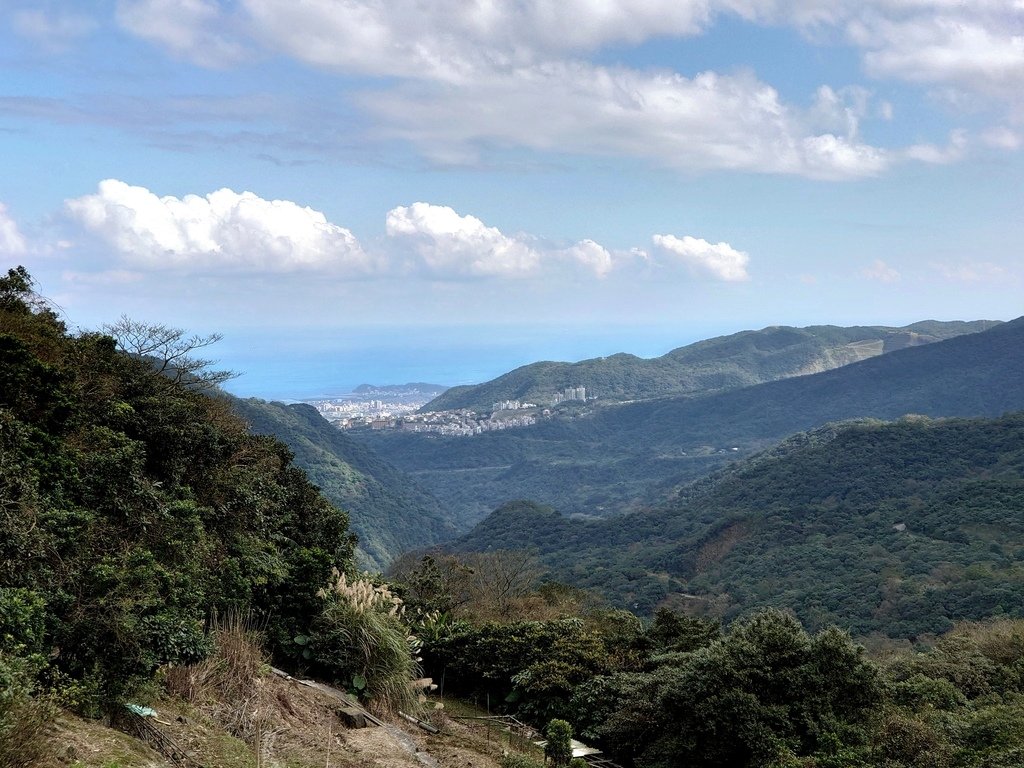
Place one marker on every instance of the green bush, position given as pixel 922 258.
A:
pixel 519 761
pixel 559 746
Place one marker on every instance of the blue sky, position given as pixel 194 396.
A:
pixel 357 189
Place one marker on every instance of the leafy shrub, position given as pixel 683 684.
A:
pixel 906 741
pixel 559 747
pixel 532 665
pixel 921 691
pixel 519 761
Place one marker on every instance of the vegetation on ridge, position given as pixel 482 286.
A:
pixel 388 510
pixel 628 456
pixel 760 693
pixel 713 365
pixel 899 528
pixel 137 512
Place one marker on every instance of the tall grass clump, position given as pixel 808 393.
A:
pixel 361 641
pixel 232 681
pixel 24 719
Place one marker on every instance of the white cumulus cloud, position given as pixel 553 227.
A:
pixel 710 121
pixel 718 260
pixel 452 39
pixel 12 242
pixel 464 78
pixel 450 244
pixel 930 153
pixel 591 255
pixel 224 230
pixel 975 46
pixel 447 244
pixel 972 271
pixel 1001 137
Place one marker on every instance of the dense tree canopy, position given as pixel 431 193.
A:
pixel 133 509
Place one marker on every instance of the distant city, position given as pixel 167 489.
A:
pixel 398 407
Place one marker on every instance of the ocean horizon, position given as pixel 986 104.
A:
pixel 323 363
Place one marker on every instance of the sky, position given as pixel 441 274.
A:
pixel 389 190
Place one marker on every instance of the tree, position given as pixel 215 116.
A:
pixel 15 289
pixel 501 579
pixel 559 747
pixel 170 350
pixel 763 692
pixel 18 297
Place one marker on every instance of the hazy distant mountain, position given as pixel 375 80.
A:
pixel 388 510
pixel 900 528
pixel 714 365
pixel 624 456
pixel 387 389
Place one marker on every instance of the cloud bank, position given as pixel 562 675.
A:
pixel 223 231
pixel 230 232
pixel 457 80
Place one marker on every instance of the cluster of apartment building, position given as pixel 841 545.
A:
pixel 466 426
pixel 347 411
pixel 570 394
pixel 350 413
pixel 461 423
pixel 511 405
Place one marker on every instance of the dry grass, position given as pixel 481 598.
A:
pixel 25 726
pixel 233 686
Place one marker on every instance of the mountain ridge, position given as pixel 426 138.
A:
pixel 720 363
pixel 605 462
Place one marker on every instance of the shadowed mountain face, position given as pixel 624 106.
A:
pixel 388 511
pixel 974 375
pixel 623 457
pixel 715 365
pixel 900 528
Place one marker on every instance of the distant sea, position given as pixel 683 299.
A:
pixel 305 364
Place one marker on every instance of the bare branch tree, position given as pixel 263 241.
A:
pixel 502 577
pixel 170 351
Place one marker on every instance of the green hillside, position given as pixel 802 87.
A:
pixel 900 528
pixel 630 455
pixel 715 365
pixel 134 510
pixel 388 511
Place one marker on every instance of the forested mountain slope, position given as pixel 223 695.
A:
pixel 900 528
pixel 388 511
pixel 714 365
pixel 603 463
pixel 133 510
pixel 974 375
